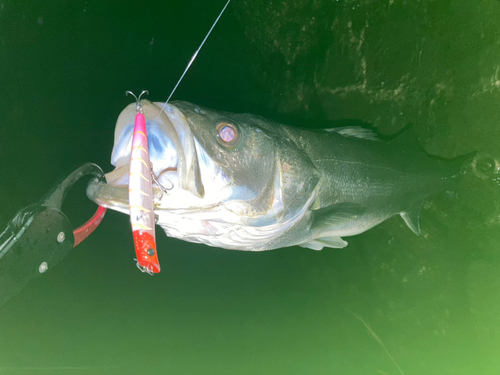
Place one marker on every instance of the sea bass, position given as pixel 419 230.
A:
pixel 239 181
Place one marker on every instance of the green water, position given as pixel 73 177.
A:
pixel 428 304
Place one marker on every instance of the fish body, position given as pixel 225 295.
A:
pixel 239 181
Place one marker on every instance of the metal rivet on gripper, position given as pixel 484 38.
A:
pixel 43 267
pixel 61 237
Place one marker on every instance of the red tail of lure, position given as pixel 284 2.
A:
pixel 140 197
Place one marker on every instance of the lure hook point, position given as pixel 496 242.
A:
pixel 138 99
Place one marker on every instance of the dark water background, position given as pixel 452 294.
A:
pixel 433 302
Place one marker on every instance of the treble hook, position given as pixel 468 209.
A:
pixel 144 269
pixel 160 185
pixel 138 99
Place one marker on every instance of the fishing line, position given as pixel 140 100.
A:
pixel 195 54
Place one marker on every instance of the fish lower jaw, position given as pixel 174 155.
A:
pixel 166 192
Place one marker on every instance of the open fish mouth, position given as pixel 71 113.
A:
pixel 172 154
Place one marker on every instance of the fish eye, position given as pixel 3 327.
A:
pixel 227 134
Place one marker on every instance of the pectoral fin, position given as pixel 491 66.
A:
pixel 336 215
pixel 320 243
pixel 329 219
pixel 412 219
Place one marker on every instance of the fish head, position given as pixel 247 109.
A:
pixel 235 160
pixel 213 171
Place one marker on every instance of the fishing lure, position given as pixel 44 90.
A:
pixel 140 196
pixel 141 181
